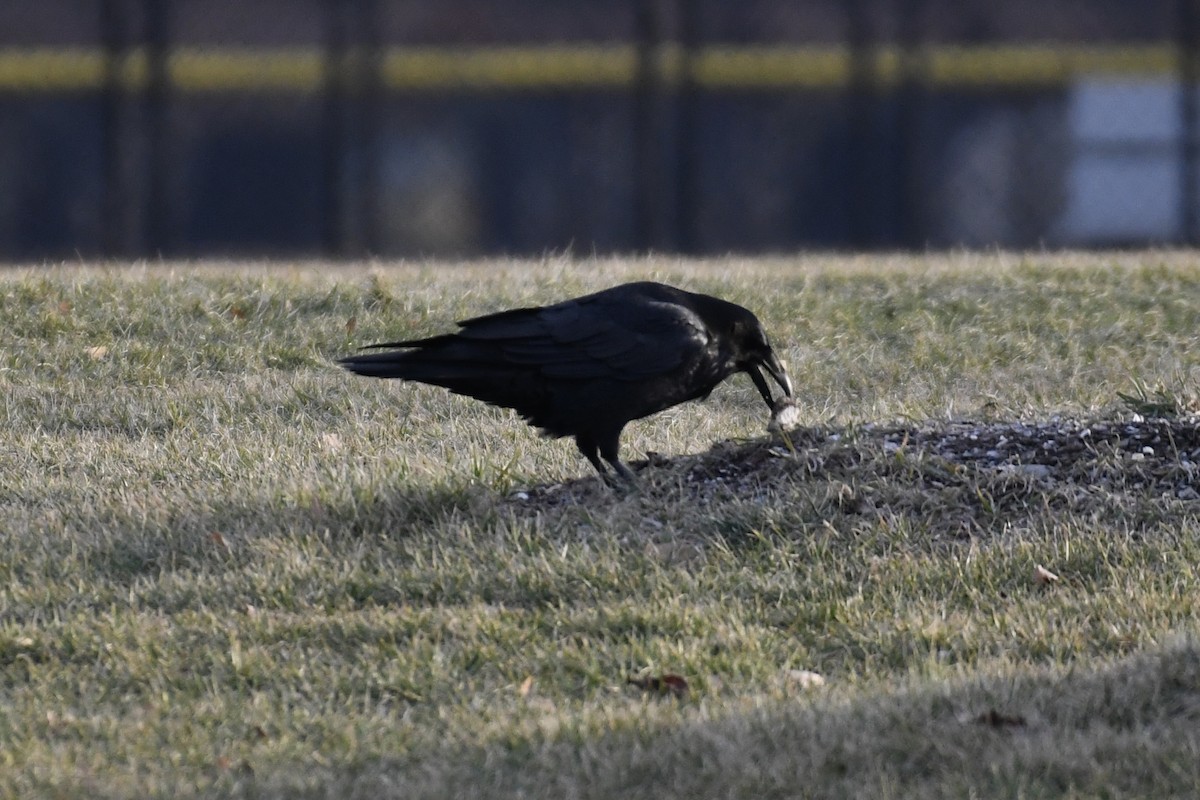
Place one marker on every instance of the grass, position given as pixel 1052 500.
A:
pixel 232 570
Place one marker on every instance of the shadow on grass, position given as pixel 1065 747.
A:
pixel 932 484
pixel 1124 729
pixel 189 536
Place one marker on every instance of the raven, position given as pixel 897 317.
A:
pixel 586 367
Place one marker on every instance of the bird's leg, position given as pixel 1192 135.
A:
pixel 587 446
pixel 624 471
pixel 610 449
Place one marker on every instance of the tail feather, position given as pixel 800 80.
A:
pixel 463 368
pixel 428 366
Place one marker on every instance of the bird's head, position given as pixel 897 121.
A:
pixel 752 350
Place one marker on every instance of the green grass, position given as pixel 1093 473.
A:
pixel 231 569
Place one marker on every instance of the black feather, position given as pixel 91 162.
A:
pixel 588 366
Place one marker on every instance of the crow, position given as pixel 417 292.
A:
pixel 586 367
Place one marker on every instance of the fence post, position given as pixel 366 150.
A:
pixel 334 133
pixel 913 78
pixel 687 131
pixel 115 216
pixel 862 104
pixel 157 213
pixel 646 95
pixel 369 95
pixel 1189 147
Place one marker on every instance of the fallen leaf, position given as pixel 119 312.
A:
pixel 96 353
pixel 1043 575
pixel 661 684
pixel 216 538
pixel 238 313
pixel 525 687
pixel 64 307
pixel 351 324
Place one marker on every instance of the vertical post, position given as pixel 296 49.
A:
pixel 157 208
pixel 686 131
pixel 910 107
pixel 156 100
pixel 862 105
pixel 1189 147
pixel 334 134
pixel 650 193
pixel 370 97
pixel 114 217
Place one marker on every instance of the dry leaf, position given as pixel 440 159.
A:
pixel 216 538
pixel 96 353
pixel 351 324
pixel 525 687
pixel 238 313
pixel 64 307
pixel 661 684
pixel 1043 575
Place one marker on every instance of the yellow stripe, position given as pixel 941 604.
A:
pixel 509 67
pixel 247 70
pixel 45 69
pixel 582 67
pixel 735 67
pixel 1044 65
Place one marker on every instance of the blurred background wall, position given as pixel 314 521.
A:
pixel 136 128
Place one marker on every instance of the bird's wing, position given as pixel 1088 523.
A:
pixel 617 337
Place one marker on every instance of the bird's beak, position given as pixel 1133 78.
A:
pixel 775 368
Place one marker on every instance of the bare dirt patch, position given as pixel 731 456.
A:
pixel 953 476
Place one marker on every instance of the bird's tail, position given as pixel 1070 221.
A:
pixel 466 367
pixel 441 361
pixel 396 364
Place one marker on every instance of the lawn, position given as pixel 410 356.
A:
pixel 231 569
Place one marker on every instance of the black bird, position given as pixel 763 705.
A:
pixel 586 367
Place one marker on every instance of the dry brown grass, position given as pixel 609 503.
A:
pixel 233 570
